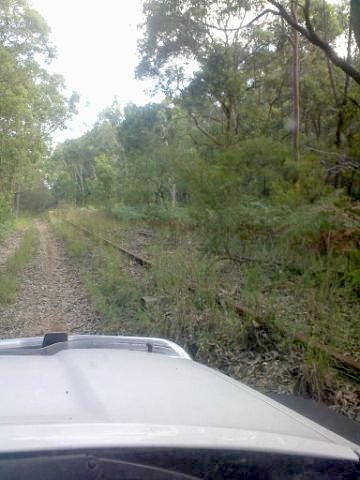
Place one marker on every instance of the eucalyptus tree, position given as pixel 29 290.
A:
pixel 88 168
pixel 157 148
pixel 181 37
pixel 33 102
pixel 355 19
pixel 306 25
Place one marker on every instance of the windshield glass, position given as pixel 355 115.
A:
pixel 172 465
pixel 181 180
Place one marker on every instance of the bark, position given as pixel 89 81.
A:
pixel 17 201
pixel 341 113
pixel 173 195
pixel 355 19
pixel 295 88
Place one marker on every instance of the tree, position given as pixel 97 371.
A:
pixel 186 30
pixel 213 36
pixel 214 95
pixel 88 168
pixel 309 32
pixel 157 148
pixel 33 104
pixel 355 19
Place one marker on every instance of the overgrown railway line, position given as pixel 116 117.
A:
pixel 348 365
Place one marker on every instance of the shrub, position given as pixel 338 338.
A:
pixel 37 200
pixel 167 214
pixel 125 212
pixel 325 227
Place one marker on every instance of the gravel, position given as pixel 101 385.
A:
pixel 52 297
pixel 10 245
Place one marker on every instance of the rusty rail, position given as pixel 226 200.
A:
pixel 138 259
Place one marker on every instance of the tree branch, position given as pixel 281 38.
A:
pixel 241 27
pixel 309 32
pixel 204 132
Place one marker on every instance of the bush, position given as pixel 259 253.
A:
pixel 165 214
pixel 37 200
pixel 325 227
pixel 154 213
pixel 244 220
pixel 125 212
pixel 5 206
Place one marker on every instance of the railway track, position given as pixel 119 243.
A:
pixel 138 259
pixel 345 363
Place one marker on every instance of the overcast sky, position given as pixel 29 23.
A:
pixel 97 53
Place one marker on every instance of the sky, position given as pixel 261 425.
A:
pixel 96 54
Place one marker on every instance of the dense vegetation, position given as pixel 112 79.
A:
pixel 253 112
pixel 253 157
pixel 258 138
pixel 32 102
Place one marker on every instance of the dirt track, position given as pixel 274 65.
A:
pixel 10 245
pixel 52 297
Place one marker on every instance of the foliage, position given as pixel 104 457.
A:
pixel 168 215
pixel 87 169
pixel 355 19
pixel 37 199
pixel 124 212
pixel 222 137
pixel 32 100
pixel 329 227
pixel 287 287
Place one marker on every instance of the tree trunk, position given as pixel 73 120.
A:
pixel 309 32
pixel 341 113
pixel 295 88
pixel 173 195
pixel 17 201
pixel 355 20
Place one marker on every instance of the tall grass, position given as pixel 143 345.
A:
pixel 286 287
pixel 10 274
pixel 183 285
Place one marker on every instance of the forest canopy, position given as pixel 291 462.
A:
pixel 33 103
pixel 255 108
pixel 261 104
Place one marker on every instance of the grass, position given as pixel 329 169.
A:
pixel 11 224
pixel 10 274
pixel 183 285
pixel 5 229
pixel 188 288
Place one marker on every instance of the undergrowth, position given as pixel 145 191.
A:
pixel 10 273
pixel 178 298
pixel 11 224
pixel 283 280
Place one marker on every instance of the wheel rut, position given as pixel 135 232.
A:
pixel 10 245
pixel 52 297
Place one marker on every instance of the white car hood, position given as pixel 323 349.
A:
pixel 111 397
